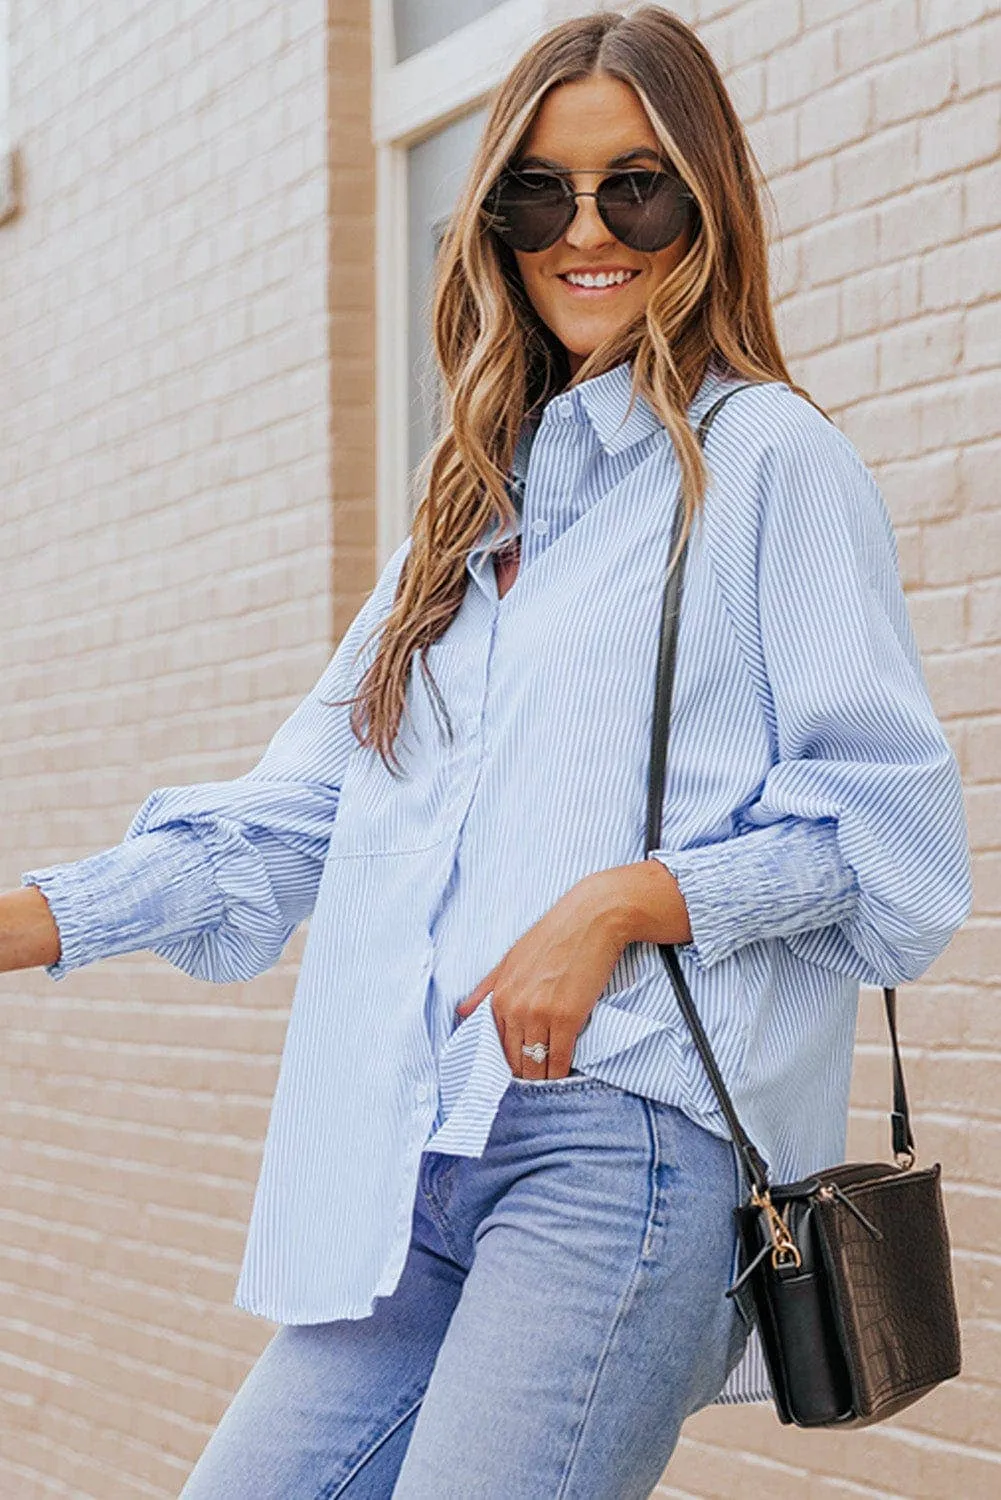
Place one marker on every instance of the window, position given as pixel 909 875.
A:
pixel 435 170
pixel 420 23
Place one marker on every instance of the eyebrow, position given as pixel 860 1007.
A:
pixel 616 161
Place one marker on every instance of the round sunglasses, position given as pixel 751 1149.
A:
pixel 645 210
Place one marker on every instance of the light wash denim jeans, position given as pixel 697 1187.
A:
pixel 560 1312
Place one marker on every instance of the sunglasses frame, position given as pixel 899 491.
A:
pixel 683 196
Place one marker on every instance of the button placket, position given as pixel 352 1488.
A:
pixel 556 462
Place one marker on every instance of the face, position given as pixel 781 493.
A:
pixel 582 127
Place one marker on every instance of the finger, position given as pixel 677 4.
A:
pixel 475 997
pixel 472 1000
pixel 530 1067
pixel 512 1038
pixel 560 1059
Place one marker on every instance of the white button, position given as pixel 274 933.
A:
pixel 540 527
pixel 423 1092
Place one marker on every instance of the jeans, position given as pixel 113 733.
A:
pixel 560 1312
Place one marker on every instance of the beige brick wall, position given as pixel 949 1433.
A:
pixel 171 294
pixel 186 451
pixel 877 125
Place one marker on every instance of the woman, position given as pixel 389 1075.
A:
pixel 494 1216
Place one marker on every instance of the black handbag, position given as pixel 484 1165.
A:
pixel 847 1274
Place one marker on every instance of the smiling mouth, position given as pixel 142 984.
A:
pixel 596 284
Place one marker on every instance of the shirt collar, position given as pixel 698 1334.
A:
pixel 603 401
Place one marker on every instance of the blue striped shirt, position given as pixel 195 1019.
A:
pixel 812 817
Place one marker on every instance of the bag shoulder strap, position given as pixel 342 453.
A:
pixel 754 1165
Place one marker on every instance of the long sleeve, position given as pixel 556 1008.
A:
pixel 855 849
pixel 215 877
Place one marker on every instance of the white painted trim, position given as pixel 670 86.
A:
pixel 383 45
pixel 8 200
pixel 392 394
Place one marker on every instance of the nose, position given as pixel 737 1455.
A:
pixel 587 229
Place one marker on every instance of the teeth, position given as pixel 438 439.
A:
pixel 617 278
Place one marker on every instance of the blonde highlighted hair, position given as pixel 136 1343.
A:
pixel 499 362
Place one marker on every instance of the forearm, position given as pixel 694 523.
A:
pixel 771 882
pixel 147 890
pixel 644 903
pixel 29 937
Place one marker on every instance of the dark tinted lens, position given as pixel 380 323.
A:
pixel 529 210
pixel 645 210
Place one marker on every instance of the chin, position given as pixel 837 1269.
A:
pixel 583 347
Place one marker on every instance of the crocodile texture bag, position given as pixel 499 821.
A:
pixel 847 1274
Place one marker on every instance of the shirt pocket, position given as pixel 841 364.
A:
pixel 379 813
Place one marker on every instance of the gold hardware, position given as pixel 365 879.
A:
pixel 784 1250
pixel 904 1160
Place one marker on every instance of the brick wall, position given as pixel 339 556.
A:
pixel 185 346
pixel 877 125
pixel 171 294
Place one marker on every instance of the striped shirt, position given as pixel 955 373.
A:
pixel 812 816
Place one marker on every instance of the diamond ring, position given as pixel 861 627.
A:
pixel 538 1051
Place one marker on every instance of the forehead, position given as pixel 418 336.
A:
pixel 589 121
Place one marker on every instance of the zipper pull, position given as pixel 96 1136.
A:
pixel 830 1191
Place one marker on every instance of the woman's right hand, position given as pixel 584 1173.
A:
pixel 29 937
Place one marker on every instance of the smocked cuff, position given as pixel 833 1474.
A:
pixel 152 887
pixel 770 883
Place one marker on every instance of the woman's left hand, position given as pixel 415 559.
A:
pixel 547 984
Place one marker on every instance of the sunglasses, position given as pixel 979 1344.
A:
pixel 646 210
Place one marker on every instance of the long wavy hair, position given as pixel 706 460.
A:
pixel 499 362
